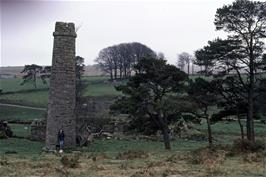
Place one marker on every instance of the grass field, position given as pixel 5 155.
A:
pixel 14 85
pixel 23 147
pixel 24 95
pixel 21 130
pixel 232 128
pixel 20 114
pixel 35 98
pixel 99 86
pixel 224 133
pixel 104 158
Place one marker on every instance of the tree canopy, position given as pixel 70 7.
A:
pixel 239 54
pixel 118 60
pixel 146 95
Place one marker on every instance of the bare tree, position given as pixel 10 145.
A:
pixel 120 59
pixel 184 58
pixel 105 61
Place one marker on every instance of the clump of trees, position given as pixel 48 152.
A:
pixel 80 69
pixel 202 93
pixel 118 60
pixel 32 72
pixel 185 59
pixel 153 97
pixel 240 54
pixel 5 130
pixel 158 93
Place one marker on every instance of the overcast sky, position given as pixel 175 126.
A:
pixel 170 27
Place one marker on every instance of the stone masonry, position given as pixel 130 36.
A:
pixel 62 95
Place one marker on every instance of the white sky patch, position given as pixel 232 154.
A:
pixel 170 27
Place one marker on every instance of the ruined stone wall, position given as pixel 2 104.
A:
pixel 92 111
pixel 38 129
pixel 89 110
pixel 61 104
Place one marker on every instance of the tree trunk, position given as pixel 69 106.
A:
pixel 165 130
pixel 250 117
pixel 209 127
pixel 240 125
pixel 188 68
pixel 125 71
pixel 209 131
pixel 121 72
pixel 166 137
pixel 206 70
pixel 250 121
pixel 115 73
pixel 111 74
pixel 241 128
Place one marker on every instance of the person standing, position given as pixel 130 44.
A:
pixel 61 139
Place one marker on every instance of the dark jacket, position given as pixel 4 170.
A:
pixel 61 136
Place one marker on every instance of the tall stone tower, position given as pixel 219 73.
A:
pixel 62 96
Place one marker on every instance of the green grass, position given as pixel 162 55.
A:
pixel 36 98
pixel 30 161
pixel 101 89
pixel 20 130
pixel 95 78
pixel 14 85
pixel 232 128
pixel 113 147
pixel 97 86
pixel 21 146
pixel 19 114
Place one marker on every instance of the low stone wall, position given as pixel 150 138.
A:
pixel 93 111
pixel 38 129
pixel 90 111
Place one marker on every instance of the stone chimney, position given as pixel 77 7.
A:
pixel 62 92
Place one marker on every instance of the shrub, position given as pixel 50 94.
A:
pixel 70 161
pixel 246 146
pixel 3 161
pixel 208 156
pixel 253 157
pixel 3 135
pixel 132 154
pixel 99 157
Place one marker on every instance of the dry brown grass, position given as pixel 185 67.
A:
pixel 170 164
pixel 132 154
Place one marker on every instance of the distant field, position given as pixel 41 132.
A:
pixel 25 95
pixel 231 128
pixel 19 114
pixel 20 130
pixel 90 70
pixel 99 86
pixel 14 85
pixel 34 98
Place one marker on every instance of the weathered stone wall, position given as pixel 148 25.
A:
pixel 38 129
pixel 89 110
pixel 61 104
pixel 92 110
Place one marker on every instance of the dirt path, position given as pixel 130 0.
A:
pixel 20 106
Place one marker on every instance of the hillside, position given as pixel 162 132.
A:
pixel 90 70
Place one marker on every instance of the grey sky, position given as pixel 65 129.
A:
pixel 170 27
